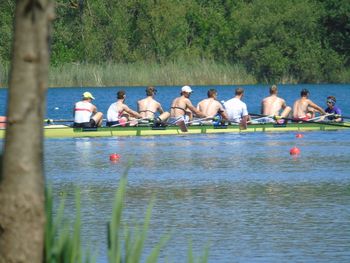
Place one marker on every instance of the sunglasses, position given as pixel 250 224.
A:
pixel 330 102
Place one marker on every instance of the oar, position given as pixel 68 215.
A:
pixel 261 118
pixel 199 120
pixel 321 116
pixel 128 122
pixel 51 121
pixel 307 121
pixel 341 116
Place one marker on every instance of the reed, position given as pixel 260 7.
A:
pixel 202 72
pixel 125 243
pixel 4 71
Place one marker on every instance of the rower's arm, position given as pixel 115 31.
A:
pixel 94 109
pixel 138 106
pixel 131 112
pixel 224 115
pixel 160 109
pixel 284 104
pixel 313 105
pixel 193 109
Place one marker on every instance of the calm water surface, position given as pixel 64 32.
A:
pixel 243 195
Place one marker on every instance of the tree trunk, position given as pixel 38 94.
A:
pixel 22 214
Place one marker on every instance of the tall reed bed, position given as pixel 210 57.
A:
pixel 4 70
pixel 141 74
pixel 125 244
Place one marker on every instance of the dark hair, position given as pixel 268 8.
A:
pixel 239 91
pixel 332 98
pixel 211 93
pixel 151 90
pixel 120 94
pixel 304 92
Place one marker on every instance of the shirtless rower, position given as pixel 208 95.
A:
pixel 119 113
pixel 304 109
pixel 148 107
pixel 181 107
pixel 272 105
pixel 86 114
pixel 212 107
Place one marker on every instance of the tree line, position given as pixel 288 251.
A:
pixel 284 40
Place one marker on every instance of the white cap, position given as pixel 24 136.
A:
pixel 186 89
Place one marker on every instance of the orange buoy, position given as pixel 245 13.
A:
pixel 299 135
pixel 294 151
pixel 114 157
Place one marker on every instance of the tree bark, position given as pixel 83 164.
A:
pixel 22 214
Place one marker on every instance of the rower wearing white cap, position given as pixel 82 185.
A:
pixel 182 107
pixel 86 114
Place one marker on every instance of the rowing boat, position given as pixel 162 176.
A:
pixel 63 131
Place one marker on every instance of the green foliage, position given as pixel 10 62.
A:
pixel 61 243
pixel 7 11
pixel 303 40
pixel 336 22
pixel 281 40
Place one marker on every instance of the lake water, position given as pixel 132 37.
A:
pixel 243 195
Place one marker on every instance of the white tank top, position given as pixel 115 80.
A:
pixel 82 111
pixel 113 114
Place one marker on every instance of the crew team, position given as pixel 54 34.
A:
pixel 208 111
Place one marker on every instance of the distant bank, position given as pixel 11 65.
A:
pixel 144 74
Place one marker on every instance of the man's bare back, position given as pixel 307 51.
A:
pixel 182 105
pixel 147 107
pixel 210 107
pixel 303 106
pixel 272 105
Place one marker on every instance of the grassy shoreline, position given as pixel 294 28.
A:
pixel 143 74
pixel 178 73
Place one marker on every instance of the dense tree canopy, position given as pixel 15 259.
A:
pixel 300 40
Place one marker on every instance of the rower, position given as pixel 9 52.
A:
pixel 148 107
pixel 304 109
pixel 119 113
pixel 334 110
pixel 182 109
pixel 86 114
pixel 212 107
pixel 237 110
pixel 272 105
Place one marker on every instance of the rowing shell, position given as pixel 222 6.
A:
pixel 62 131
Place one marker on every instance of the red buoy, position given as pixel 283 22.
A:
pixel 294 151
pixel 299 135
pixel 114 157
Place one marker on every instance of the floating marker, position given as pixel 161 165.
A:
pixel 114 157
pixel 299 135
pixel 57 108
pixel 294 151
